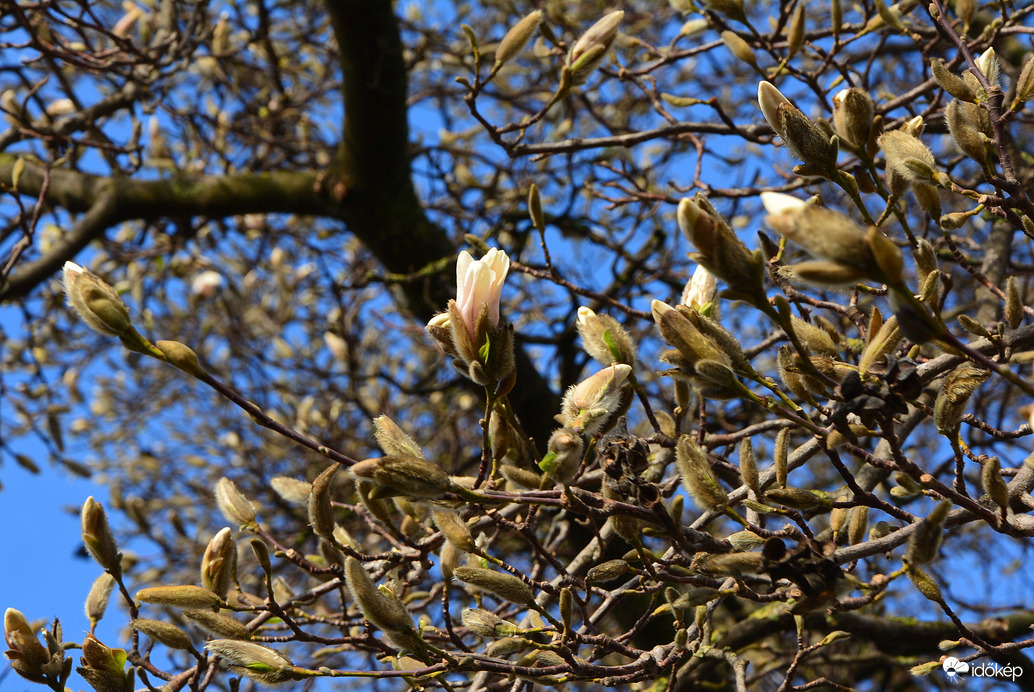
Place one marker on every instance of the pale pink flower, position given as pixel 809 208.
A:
pixel 480 283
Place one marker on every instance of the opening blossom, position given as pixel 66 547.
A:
pixel 470 330
pixel 480 283
pixel 96 302
pixel 701 291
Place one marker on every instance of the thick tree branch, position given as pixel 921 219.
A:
pixel 369 187
pixel 106 202
pixel 373 179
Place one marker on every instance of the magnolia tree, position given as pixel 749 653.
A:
pixel 511 345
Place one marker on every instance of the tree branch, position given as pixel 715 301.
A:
pixel 110 201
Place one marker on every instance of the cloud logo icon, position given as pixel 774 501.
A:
pixel 953 668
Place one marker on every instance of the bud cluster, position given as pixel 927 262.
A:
pixel 719 249
pixel 30 659
pixel 705 354
pixel 806 140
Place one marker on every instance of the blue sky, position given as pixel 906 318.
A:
pixel 40 534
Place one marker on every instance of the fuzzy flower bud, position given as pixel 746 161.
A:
pixel 591 48
pixel 924 543
pixel 95 301
pixel 97 599
pixel 163 633
pixel 858 525
pixel 487 624
pixel 925 585
pixel 28 657
pixel 604 338
pixel 185 596
pixel 454 529
pixel 994 485
pixel 611 569
pixel 680 329
pixel 516 38
pixel 883 342
pixel 907 158
pixel 252 660
pixel 219 563
pixel 404 475
pixel 749 468
pixel 293 490
pixel 1013 303
pixel 383 612
pixel 719 249
pixel 732 564
pixel 949 81
pixel 798 498
pixel 823 233
pixel 182 356
pixel 393 439
pixel 505 586
pixel 321 510
pixel 833 237
pixel 697 475
pixel 991 67
pixel 739 47
pixel 853 112
pixel 564 456
pixel 745 540
pixel 1025 82
pixel 805 139
pixel 218 624
pixel 97 536
pixel 439 328
pixel 958 387
pixel 233 504
pixel 796 33
pixel 965 125
pixel 588 405
pixel 102 667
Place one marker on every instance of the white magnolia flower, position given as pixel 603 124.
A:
pixel 770 98
pixel 990 66
pixel 480 283
pixel 778 204
pixel 701 291
pixel 206 284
